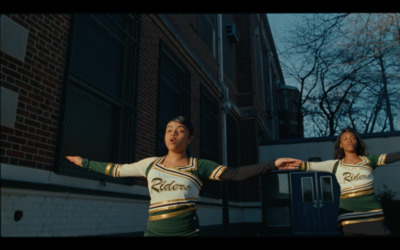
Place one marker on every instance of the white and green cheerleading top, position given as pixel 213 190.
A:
pixel 173 190
pixel 357 197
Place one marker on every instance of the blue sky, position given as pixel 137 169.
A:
pixel 280 24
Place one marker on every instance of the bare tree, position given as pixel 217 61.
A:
pixel 377 35
pixel 347 68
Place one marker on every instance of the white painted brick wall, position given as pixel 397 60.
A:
pixel 63 214
pixel 245 212
pixel 209 215
pixel 57 214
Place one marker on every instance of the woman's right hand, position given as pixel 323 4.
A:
pixel 77 160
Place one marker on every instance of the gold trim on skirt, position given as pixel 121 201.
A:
pixel 172 214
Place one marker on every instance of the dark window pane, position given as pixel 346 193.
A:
pixel 210 140
pixel 174 96
pixel 100 90
pixel 210 134
pixel 307 189
pixel 326 188
pixel 89 126
pixel 97 55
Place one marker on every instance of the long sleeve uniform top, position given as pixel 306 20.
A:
pixel 174 190
pixel 357 197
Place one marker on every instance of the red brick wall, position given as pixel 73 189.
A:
pixel 153 32
pixel 147 91
pixel 38 81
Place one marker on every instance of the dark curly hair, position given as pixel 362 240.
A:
pixel 361 149
pixel 184 121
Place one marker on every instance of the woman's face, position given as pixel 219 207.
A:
pixel 348 142
pixel 177 137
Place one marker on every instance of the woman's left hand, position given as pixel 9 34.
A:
pixel 287 163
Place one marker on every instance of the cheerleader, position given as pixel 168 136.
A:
pixel 174 180
pixel 359 211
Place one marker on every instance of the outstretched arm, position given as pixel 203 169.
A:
pixel 77 160
pixel 245 172
pixel 287 163
pixel 100 167
pixel 392 157
pixel 113 169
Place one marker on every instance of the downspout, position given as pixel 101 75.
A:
pixel 225 109
pixel 270 69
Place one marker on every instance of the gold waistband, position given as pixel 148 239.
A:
pixel 355 194
pixel 171 214
pixel 349 222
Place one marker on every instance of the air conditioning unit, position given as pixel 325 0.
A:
pixel 232 32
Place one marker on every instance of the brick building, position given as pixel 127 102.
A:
pixel 103 87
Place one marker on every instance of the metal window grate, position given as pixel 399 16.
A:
pixel 174 97
pixel 100 90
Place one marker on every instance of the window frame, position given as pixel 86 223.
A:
pixel 125 103
pixel 169 61
pixel 211 189
pixel 206 30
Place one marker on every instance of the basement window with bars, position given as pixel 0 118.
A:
pixel 99 111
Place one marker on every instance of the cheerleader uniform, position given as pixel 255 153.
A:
pixel 174 190
pixel 359 211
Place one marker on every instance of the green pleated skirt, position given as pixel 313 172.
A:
pixel 184 225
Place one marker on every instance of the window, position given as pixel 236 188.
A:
pixel 232 141
pixel 210 129
pixel 307 189
pixel 260 68
pixel 277 199
pixel 278 186
pixel 234 192
pixel 210 142
pixel 206 29
pixel 174 94
pixel 100 91
pixel 326 188
pixel 228 50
